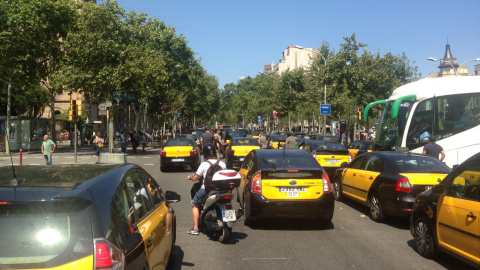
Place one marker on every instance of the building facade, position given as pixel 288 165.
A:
pixel 293 58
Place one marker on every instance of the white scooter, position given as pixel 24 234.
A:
pixel 217 215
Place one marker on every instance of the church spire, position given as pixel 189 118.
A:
pixel 448 61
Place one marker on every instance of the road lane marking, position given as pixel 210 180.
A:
pixel 149 164
pixel 246 259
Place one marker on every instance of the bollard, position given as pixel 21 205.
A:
pixel 21 156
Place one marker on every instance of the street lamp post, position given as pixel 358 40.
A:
pixel 448 62
pixel 325 87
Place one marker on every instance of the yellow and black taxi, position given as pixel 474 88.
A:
pixel 276 141
pixel 85 217
pixel 360 146
pixel 237 150
pixel 180 152
pixel 447 217
pixel 278 184
pixel 232 133
pixel 329 155
pixel 388 182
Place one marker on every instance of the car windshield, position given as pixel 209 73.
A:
pixel 44 234
pixel 418 164
pixel 245 141
pixel 256 132
pixel 238 133
pixel 179 142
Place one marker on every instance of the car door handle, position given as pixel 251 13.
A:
pixel 149 243
pixel 471 216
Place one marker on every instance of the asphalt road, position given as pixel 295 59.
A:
pixel 351 241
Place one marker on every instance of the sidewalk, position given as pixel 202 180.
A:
pixel 65 147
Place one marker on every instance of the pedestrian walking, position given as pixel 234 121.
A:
pixel 433 149
pixel 48 147
pixel 262 140
pixel 144 141
pixel 98 142
pixel 123 139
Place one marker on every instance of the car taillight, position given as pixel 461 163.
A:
pixel 231 152
pixel 193 152
pixel 107 256
pixel 163 153
pixel 327 188
pixel 314 154
pixel 257 183
pixel 403 185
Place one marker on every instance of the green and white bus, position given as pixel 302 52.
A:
pixel 447 107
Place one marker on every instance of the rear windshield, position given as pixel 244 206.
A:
pixel 279 137
pixel 238 133
pixel 180 142
pixel 418 164
pixel 256 132
pixel 44 234
pixel 280 162
pixel 245 141
pixel 329 146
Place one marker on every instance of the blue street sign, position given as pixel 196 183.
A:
pixel 325 109
pixel 377 121
pixel 259 118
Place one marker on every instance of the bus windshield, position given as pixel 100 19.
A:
pixel 390 131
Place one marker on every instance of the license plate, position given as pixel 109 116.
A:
pixel 177 159
pixel 229 215
pixel 294 189
pixel 241 159
pixel 333 161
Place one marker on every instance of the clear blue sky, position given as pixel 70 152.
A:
pixel 236 38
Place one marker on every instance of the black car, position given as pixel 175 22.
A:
pixel 85 217
pixel 275 141
pixel 388 182
pixel 280 184
pixel 180 152
pixel 446 217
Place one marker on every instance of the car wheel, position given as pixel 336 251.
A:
pixel 337 190
pixel 423 236
pixel 376 209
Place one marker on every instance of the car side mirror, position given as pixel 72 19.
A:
pixel 172 197
pixel 438 189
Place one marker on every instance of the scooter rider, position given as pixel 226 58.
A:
pixel 209 154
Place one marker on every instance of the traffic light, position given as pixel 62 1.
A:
pixel 360 110
pixel 73 110
pixel 79 107
pixel 108 112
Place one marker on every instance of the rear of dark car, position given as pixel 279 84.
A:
pixel 290 185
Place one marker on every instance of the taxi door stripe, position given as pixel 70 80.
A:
pixel 362 190
pixel 458 230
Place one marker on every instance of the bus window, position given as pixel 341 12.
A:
pixel 391 131
pixel 421 126
pixel 457 113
